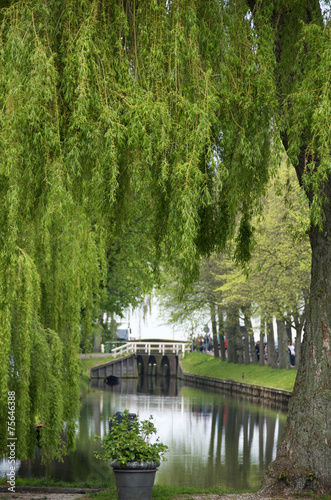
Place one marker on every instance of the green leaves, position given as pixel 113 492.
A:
pixel 156 118
pixel 128 441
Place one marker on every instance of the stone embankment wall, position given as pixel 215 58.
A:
pixel 268 396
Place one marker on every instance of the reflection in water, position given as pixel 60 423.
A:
pixel 213 439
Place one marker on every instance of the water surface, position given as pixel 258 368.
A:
pixel 214 440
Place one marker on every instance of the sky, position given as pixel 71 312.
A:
pixel 152 327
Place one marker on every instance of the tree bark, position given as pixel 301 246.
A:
pixel 239 344
pixel 283 355
pixel 221 332
pixel 249 327
pixel 214 329
pixel 304 455
pixel 299 322
pixel 232 322
pixel 272 357
pixel 262 326
pixel 249 346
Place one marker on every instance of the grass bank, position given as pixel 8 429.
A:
pixel 206 365
pixel 85 369
pixel 89 362
pixel 109 491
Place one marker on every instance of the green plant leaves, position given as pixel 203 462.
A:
pixel 128 441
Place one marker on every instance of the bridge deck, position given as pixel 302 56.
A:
pixel 152 348
pixel 142 357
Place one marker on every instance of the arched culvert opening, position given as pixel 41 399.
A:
pixel 165 367
pixel 140 365
pixel 152 366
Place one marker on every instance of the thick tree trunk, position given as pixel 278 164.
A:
pixel 304 455
pixel 299 322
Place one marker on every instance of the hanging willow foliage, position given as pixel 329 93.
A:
pixel 103 102
pixel 168 105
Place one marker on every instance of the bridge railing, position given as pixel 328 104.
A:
pixel 178 348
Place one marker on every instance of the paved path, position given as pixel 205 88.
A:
pixel 68 496
pixel 45 493
pixel 232 496
pixel 41 496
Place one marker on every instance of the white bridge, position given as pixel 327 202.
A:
pixel 140 357
pixel 143 347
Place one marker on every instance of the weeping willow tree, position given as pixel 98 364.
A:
pixel 181 109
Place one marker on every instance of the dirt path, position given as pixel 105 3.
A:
pixel 44 495
pixel 41 496
pixel 232 496
pixel 38 493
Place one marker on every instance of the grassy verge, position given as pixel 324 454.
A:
pixel 109 491
pixel 85 369
pixel 206 365
pixel 89 362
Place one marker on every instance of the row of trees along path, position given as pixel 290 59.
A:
pixel 274 284
pixel 165 120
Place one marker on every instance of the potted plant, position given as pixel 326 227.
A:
pixel 132 456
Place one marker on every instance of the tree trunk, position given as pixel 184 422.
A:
pixel 232 321
pixel 283 355
pixel 289 334
pixel 246 342
pixel 272 357
pixel 239 344
pixel 221 332
pixel 262 326
pixel 246 347
pixel 249 327
pixel 299 322
pixel 253 351
pixel 304 455
pixel 214 329
pixel 297 345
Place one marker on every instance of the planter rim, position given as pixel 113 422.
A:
pixel 135 465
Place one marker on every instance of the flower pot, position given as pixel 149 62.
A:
pixel 135 481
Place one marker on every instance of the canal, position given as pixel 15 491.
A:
pixel 213 439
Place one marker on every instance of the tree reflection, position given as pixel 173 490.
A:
pixel 213 439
